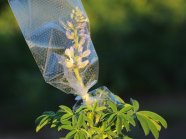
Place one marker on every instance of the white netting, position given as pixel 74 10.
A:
pixel 57 33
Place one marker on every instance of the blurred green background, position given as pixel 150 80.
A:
pixel 142 50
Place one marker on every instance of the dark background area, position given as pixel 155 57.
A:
pixel 141 46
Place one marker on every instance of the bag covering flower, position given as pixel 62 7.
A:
pixel 57 33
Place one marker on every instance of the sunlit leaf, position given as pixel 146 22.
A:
pixel 118 124
pixel 126 108
pixel 65 117
pixel 70 134
pixel 67 127
pixel 155 117
pixel 143 123
pixel 43 122
pixel 112 106
pixel 135 104
pixel 80 120
pixel 66 109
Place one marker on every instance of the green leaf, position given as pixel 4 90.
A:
pixel 143 123
pixel 135 104
pixel 82 135
pixel 74 120
pixel 105 116
pixel 67 127
pixel 118 124
pixel 109 137
pixel 153 129
pixel 85 132
pixel 156 124
pixel 150 124
pixel 65 122
pixel 80 120
pixel 80 109
pixel 53 125
pixel 39 119
pixel 70 134
pixel 111 133
pixel 100 108
pixel 112 106
pixel 90 118
pixel 95 106
pixel 111 118
pixel 130 119
pixel 77 136
pixel 125 121
pixel 126 108
pixel 43 123
pixel 126 137
pixel 155 117
pixel 66 109
pixel 65 117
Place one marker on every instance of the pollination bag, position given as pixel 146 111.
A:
pixel 57 33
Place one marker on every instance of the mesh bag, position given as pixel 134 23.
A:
pixel 57 33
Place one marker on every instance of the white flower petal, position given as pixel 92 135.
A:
pixel 86 53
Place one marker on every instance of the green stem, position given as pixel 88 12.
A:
pixel 76 70
pixel 78 77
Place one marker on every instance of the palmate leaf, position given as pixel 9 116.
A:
pixel 102 121
pixel 151 121
pixel 155 117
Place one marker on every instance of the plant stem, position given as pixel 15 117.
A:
pixel 85 95
pixel 78 77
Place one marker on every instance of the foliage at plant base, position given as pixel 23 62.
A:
pixel 107 121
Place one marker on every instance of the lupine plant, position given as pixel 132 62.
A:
pixel 106 121
pixel 95 120
pixel 63 49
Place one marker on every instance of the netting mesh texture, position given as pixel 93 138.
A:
pixel 57 33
